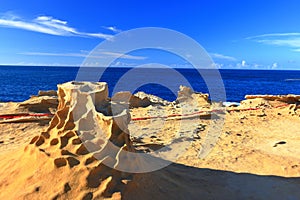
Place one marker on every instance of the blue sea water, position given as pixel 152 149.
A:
pixel 17 83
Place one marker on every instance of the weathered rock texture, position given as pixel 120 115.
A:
pixel 257 147
pixel 139 99
pixel 187 95
pixel 255 103
pixel 290 98
pixel 86 131
pixel 155 100
pixel 44 102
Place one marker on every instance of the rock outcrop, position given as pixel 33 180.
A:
pixel 290 98
pixel 83 141
pixel 187 95
pixel 139 99
pixel 87 140
pixel 44 102
pixel 130 99
pixel 50 93
pixel 155 100
pixel 255 103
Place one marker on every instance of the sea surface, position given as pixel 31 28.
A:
pixel 17 83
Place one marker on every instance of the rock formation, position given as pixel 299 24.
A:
pixel 255 103
pixel 86 135
pixel 187 95
pixel 155 100
pixel 290 98
pixel 44 102
pixel 140 99
pixel 76 157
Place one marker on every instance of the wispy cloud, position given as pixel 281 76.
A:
pixel 112 28
pixel 289 42
pixel 279 39
pixel 274 35
pixel 223 57
pixel 47 25
pixel 54 54
pixel 84 54
pixel 117 55
pixel 56 64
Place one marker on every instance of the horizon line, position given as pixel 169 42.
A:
pixel 78 66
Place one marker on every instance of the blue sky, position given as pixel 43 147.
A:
pixel 246 34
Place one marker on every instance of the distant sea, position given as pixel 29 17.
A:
pixel 17 83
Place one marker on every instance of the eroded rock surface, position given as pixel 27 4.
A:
pixel 83 141
pixel 44 102
pixel 187 96
pixel 70 159
pixel 290 98
pixel 140 99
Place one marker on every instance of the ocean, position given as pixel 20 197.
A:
pixel 17 83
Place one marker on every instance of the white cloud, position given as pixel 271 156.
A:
pixel 223 57
pixel 279 39
pixel 274 66
pixel 257 66
pixel 85 54
pixel 274 35
pixel 47 25
pixel 289 42
pixel 218 65
pixel 56 24
pixel 28 26
pixel 124 64
pixel 54 54
pixel 117 55
pixel 42 64
pixel 47 18
pixel 112 28
pixel 98 35
pixel 114 54
pixel 243 63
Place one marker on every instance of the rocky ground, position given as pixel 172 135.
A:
pixel 247 151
